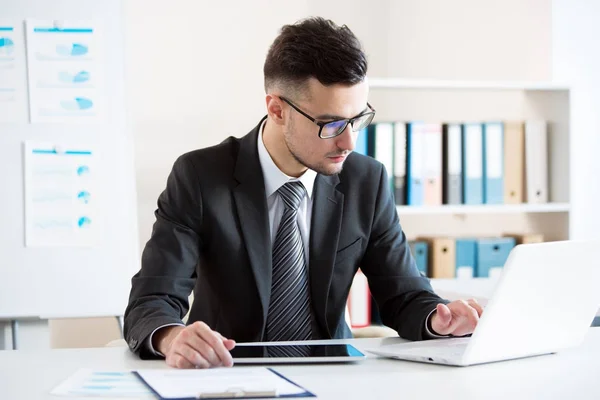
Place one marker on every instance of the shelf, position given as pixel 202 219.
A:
pixel 484 209
pixel 394 83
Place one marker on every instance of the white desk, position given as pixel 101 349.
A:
pixel 571 374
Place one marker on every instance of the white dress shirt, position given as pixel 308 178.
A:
pixel 274 179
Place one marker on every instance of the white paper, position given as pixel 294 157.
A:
pixel 66 77
pixel 193 383
pixel 12 72
pixel 86 382
pixel 60 195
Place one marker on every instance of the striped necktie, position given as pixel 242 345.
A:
pixel 289 316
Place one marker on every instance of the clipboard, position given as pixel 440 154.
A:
pixel 200 384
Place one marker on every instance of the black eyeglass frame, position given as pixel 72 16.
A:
pixel 322 124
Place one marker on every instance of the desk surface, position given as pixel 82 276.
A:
pixel 570 374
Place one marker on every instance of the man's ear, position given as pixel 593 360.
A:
pixel 275 109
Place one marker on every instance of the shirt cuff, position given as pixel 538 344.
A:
pixel 429 332
pixel 149 340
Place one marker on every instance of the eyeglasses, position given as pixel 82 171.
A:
pixel 331 129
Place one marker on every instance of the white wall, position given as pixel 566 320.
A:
pixel 470 39
pixel 576 59
pixel 194 78
pixel 45 281
pixel 194 71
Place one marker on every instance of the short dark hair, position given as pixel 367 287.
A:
pixel 315 47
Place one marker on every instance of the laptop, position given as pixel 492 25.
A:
pixel 545 299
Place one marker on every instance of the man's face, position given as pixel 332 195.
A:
pixel 324 103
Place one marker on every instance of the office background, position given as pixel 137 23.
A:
pixel 194 77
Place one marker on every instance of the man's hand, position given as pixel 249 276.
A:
pixel 458 318
pixel 193 346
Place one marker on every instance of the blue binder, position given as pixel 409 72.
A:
pixel 415 179
pixel 466 258
pixel 473 163
pixel 493 165
pixel 491 256
pixel 420 252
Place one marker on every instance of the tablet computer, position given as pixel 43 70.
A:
pixel 255 353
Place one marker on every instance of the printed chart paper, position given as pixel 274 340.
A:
pixel 65 68
pixel 60 195
pixel 12 72
pixel 86 382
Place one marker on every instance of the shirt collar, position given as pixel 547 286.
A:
pixel 274 178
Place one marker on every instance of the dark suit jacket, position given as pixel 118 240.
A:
pixel 212 234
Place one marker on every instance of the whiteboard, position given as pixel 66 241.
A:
pixel 72 281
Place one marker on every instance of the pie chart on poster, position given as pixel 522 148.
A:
pixel 7 46
pixel 84 197
pixel 78 103
pixel 83 170
pixel 84 222
pixel 76 49
pixel 80 77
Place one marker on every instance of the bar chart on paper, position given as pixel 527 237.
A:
pixel 86 382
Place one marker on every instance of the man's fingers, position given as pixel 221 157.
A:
pixel 198 346
pixel 470 313
pixel 197 358
pixel 218 346
pixel 441 319
pixel 473 316
pixel 211 345
pixel 464 317
pixel 444 314
pixel 473 303
pixel 229 344
pixel 193 339
pixel 178 360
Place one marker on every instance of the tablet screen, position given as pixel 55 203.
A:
pixel 314 352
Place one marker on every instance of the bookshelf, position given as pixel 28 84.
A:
pixel 484 209
pixel 406 100
pixel 395 83
pixel 397 99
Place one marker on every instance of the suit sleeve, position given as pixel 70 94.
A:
pixel 405 298
pixel 160 290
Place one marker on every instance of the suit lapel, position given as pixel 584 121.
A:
pixel 328 204
pixel 251 205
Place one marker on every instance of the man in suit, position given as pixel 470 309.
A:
pixel 270 229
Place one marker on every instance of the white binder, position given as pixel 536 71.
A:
pixel 536 161
pixel 384 148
